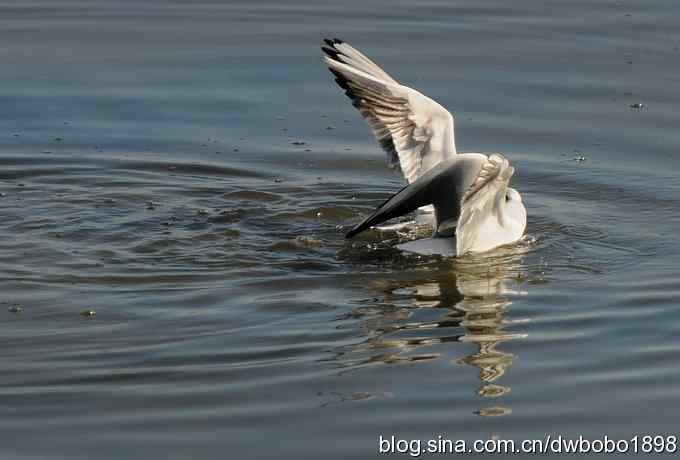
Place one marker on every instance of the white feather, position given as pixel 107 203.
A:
pixel 420 129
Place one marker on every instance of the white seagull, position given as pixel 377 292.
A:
pixel 474 209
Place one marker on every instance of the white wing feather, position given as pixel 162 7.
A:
pixel 412 128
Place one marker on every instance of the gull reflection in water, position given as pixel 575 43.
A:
pixel 466 304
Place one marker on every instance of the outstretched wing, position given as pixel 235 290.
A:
pixel 415 131
pixel 483 204
pixel 444 186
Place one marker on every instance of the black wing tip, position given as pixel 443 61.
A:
pixel 333 41
pixel 358 228
pixel 352 233
pixel 331 52
pixel 340 79
pixel 336 73
pixel 362 226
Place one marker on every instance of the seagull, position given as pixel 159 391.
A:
pixel 474 209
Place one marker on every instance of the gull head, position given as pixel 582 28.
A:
pixel 513 195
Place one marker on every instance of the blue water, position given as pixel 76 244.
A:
pixel 187 170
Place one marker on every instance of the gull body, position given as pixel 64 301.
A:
pixel 474 210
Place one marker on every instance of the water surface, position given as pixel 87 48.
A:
pixel 187 171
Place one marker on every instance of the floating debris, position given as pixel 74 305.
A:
pixel 497 411
pixel 88 313
pixel 308 150
pixel 306 241
pixel 580 159
pixel 330 127
pixel 637 105
pixel 298 143
pixel 58 139
pixel 150 205
pixel 278 180
pixel 16 134
pixel 15 309
pixel 235 150
pixel 46 151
